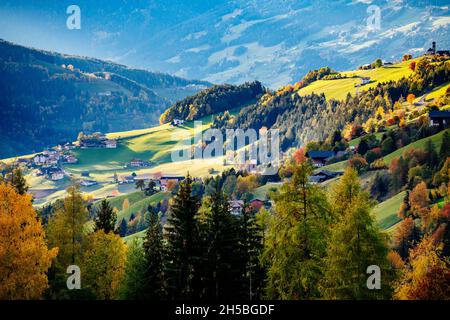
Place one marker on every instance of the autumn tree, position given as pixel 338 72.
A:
pixel 426 276
pixel 355 244
pixel 410 98
pixel 106 217
pixel 295 241
pixel 140 184
pixel 66 229
pixel 419 200
pixel 125 204
pixel 104 264
pixel 24 256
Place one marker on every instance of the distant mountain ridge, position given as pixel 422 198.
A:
pixel 48 97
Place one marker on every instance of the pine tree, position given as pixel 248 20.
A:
pixel 153 253
pixel 183 244
pixel 355 244
pixel 106 217
pixel 296 238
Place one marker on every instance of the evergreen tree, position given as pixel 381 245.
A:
pixel 223 269
pixel 123 228
pixel 183 244
pixel 296 238
pixel 153 254
pixel 17 181
pixel 355 244
pixel 133 286
pixel 106 217
pixel 251 246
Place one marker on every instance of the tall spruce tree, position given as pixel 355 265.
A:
pixel 153 253
pixel 106 217
pixel 296 238
pixel 355 244
pixel 133 286
pixel 251 246
pixel 223 267
pixel 183 249
pixel 17 181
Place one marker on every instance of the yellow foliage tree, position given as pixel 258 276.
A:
pixel 125 204
pixel 24 256
pixel 104 264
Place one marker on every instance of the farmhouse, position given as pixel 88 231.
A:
pixel 138 163
pixel 176 122
pixel 236 207
pixel 319 157
pixel 440 118
pixel 111 143
pixel 323 175
pixel 165 180
pixel 365 80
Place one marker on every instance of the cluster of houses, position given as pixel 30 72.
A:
pixel 433 51
pixel 177 122
pixel 49 162
pixel 96 140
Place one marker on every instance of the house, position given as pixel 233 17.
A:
pixel 165 180
pixel 126 179
pixel 57 175
pixel 319 157
pixel 257 204
pixel 324 175
pixel 176 122
pixel 439 118
pixel 236 207
pixel 365 80
pixel 40 159
pixel 443 53
pixel 111 143
pixel 68 158
pixel 138 163
pixel 88 183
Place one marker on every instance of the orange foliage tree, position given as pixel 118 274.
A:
pixel 24 255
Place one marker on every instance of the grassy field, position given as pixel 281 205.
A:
pixel 419 144
pixel 439 91
pixel 261 192
pixel 339 88
pixel 141 205
pixel 386 212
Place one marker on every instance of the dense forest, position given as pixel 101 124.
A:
pixel 218 98
pixel 47 97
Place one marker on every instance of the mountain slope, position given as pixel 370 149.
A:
pixel 275 42
pixel 48 97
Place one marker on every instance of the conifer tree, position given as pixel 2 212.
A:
pixel 296 238
pixel 355 244
pixel 106 217
pixel 223 271
pixel 133 286
pixel 153 254
pixel 183 244
pixel 17 180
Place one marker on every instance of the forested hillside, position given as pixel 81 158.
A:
pixel 216 99
pixel 304 118
pixel 48 97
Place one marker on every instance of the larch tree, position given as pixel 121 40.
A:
pixel 103 265
pixel 66 229
pixel 355 244
pixel 24 256
pixel 295 242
